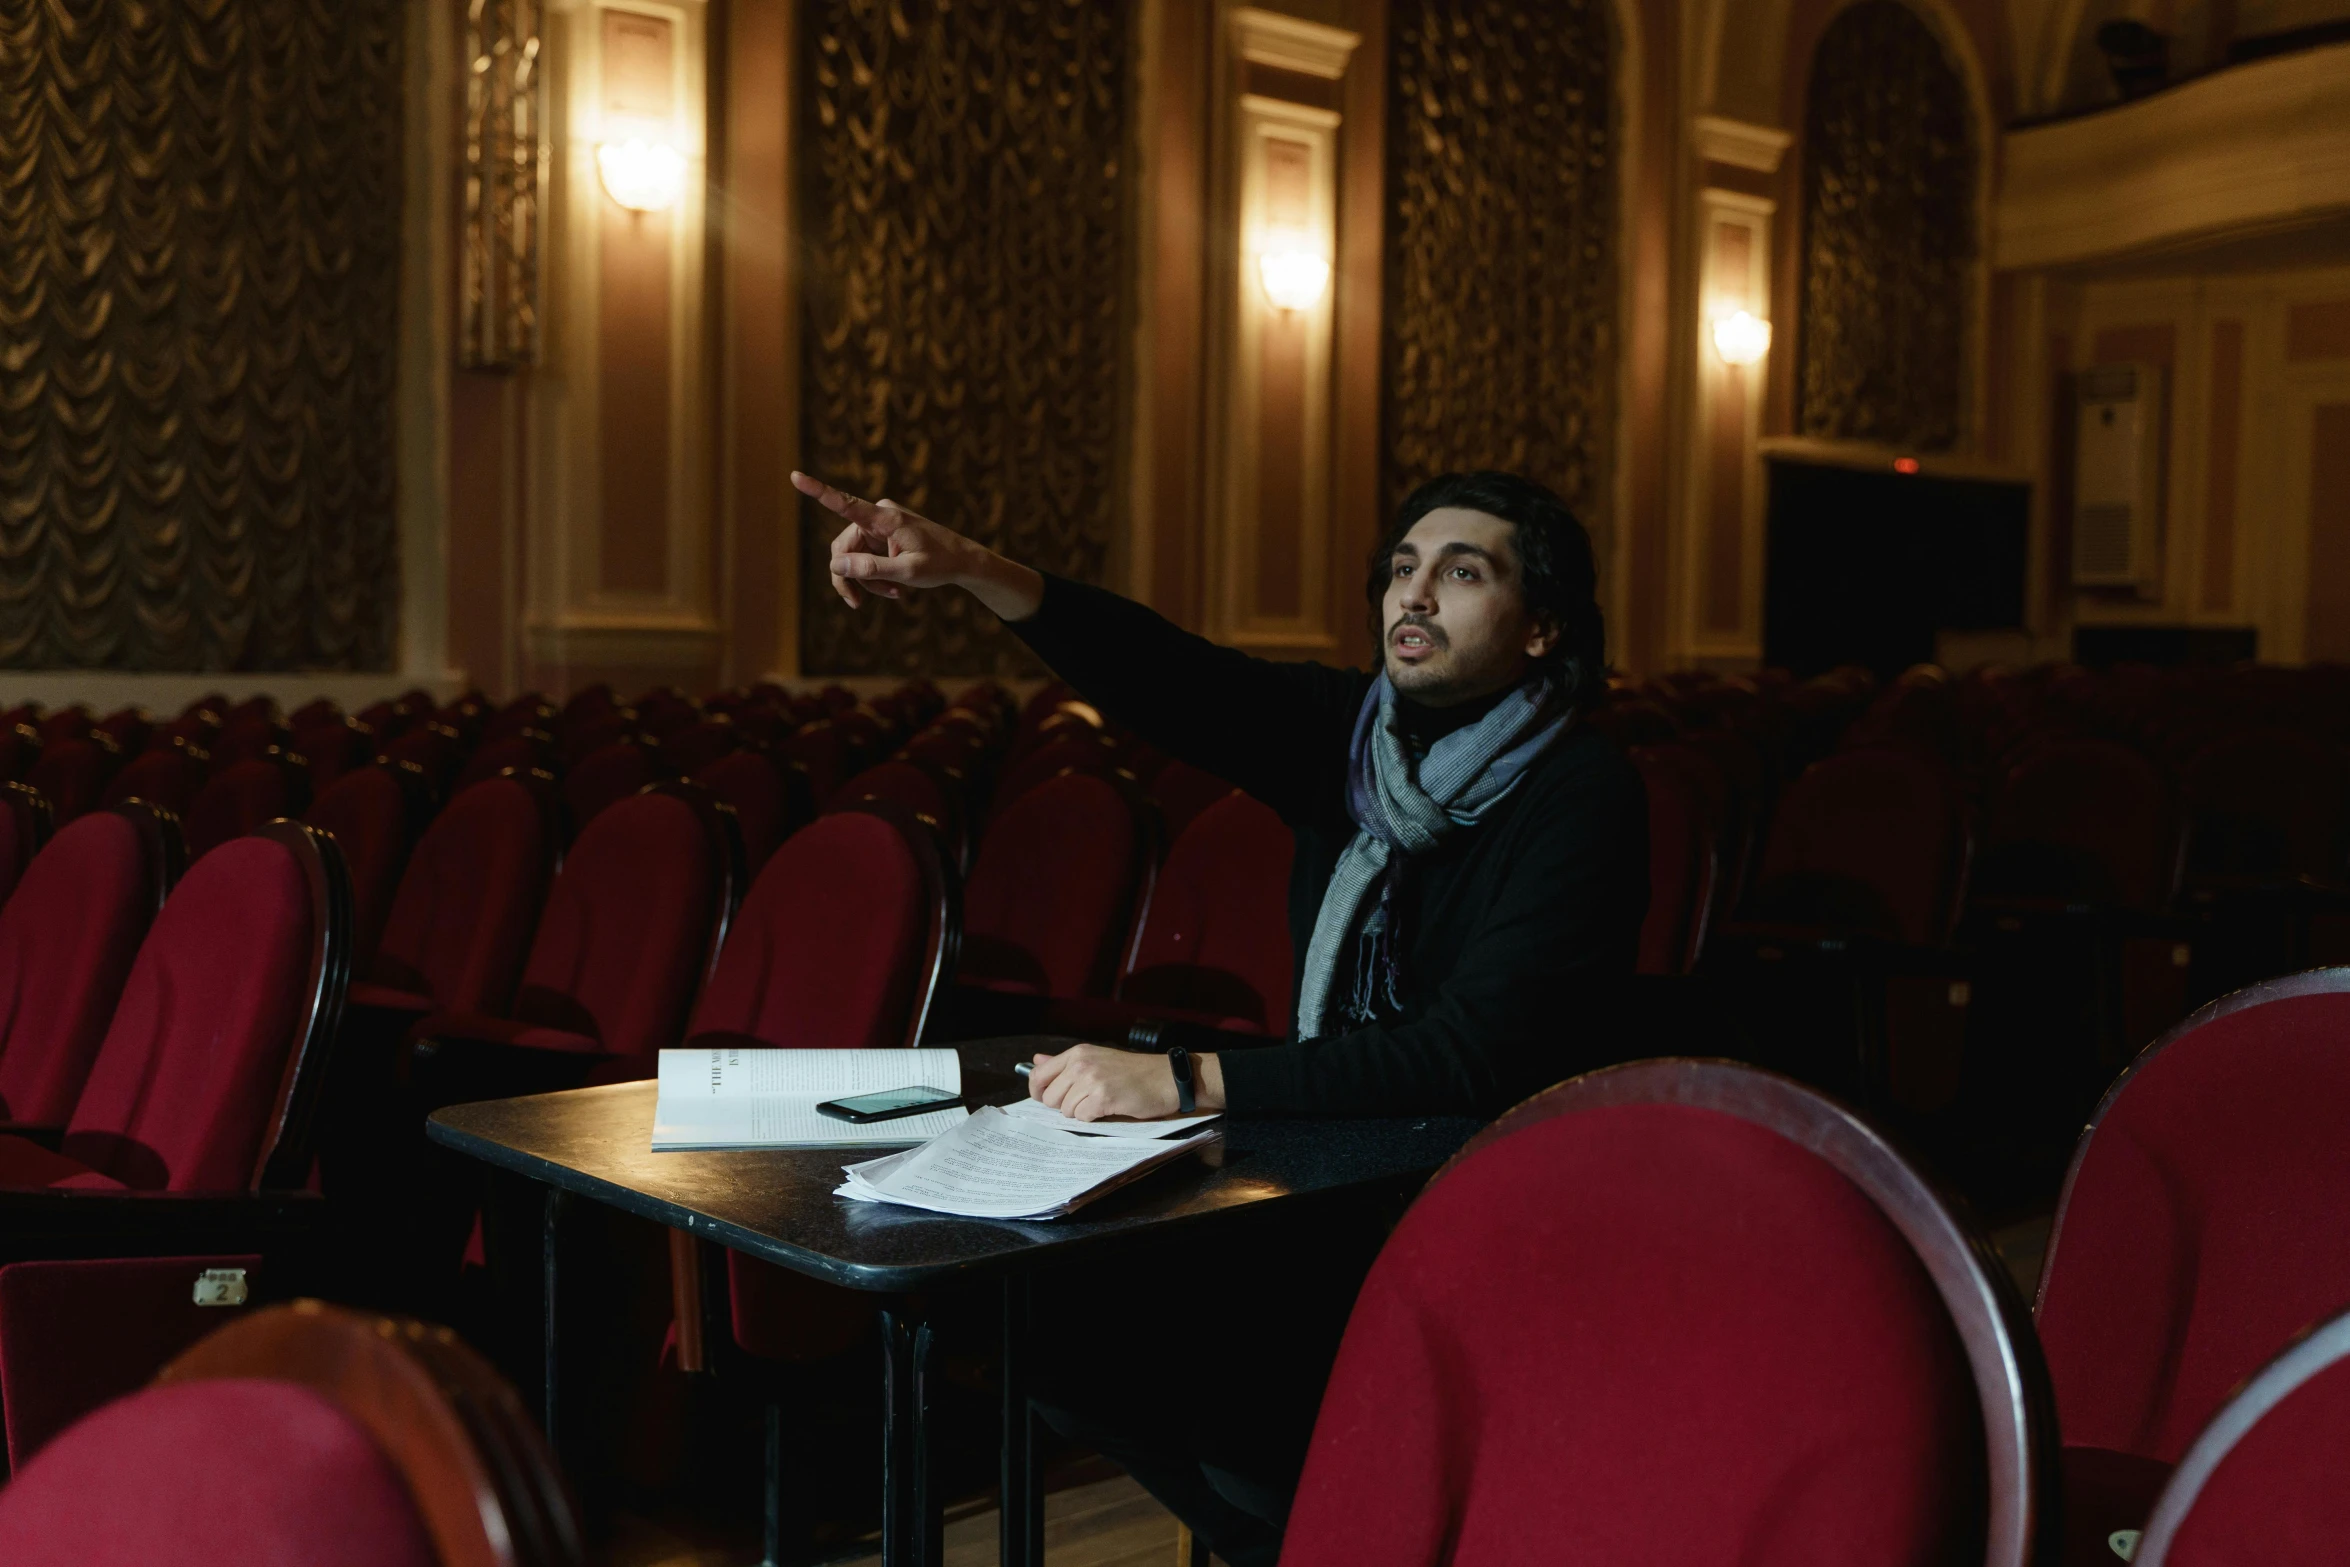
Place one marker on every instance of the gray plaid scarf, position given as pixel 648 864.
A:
pixel 1402 805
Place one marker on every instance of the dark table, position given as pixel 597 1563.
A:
pixel 777 1205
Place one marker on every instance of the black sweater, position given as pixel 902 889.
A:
pixel 1517 932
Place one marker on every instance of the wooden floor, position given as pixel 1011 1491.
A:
pixel 1111 1523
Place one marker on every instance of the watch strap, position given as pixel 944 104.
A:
pixel 1186 1092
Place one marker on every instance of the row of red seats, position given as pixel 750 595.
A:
pixel 1715 1276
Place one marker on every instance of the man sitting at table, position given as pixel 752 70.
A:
pixel 1472 863
pixel 1470 878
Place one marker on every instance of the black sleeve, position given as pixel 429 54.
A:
pixel 1536 993
pixel 1278 730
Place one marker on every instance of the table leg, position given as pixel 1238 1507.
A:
pixel 558 1201
pixel 913 1516
pixel 1020 1496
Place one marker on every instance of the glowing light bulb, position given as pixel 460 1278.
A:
pixel 643 176
pixel 1741 338
pixel 1294 272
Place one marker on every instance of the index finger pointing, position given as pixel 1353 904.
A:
pixel 861 512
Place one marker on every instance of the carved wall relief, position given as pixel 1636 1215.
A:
pixel 1889 234
pixel 1501 307
pixel 199 269
pixel 964 253
pixel 505 175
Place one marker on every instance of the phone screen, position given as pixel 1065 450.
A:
pixel 893 1101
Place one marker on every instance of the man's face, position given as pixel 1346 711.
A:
pixel 1454 616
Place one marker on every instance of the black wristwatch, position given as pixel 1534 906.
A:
pixel 1186 1096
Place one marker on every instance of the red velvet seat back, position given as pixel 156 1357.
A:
pixel 333 747
pixel 1644 1334
pixel 1682 862
pixel 527 750
pixel 368 813
pixel 24 828
pixel 627 928
pixel 188 1078
pixel 238 799
pixel 1867 839
pixel 73 774
pixel 469 900
pixel 829 950
pixel 2204 1221
pixel 170 778
pixel 604 778
pixel 2083 821
pixel 2271 804
pixel 1079 750
pixel 2266 1482
pixel 272 1472
pixel 1216 939
pixel 67 940
pixel 1183 792
pixel 1052 894
pixel 770 800
pixel 922 792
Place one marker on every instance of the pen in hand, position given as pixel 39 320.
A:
pixel 1023 1068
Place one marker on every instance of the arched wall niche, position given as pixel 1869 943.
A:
pixel 1754 56
pixel 1890 236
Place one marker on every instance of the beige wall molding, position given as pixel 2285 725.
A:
pixel 1738 143
pixel 614 641
pixel 2254 146
pixel 1269 543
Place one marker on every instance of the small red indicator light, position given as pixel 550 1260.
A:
pixel 1905 465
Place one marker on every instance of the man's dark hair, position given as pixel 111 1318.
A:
pixel 1556 570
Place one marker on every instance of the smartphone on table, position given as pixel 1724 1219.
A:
pixel 888 1105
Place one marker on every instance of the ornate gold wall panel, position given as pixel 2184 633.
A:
pixel 1501 254
pixel 964 250
pixel 1889 233
pixel 199 266
pixel 505 175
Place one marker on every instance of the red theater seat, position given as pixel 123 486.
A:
pixel 2264 1482
pixel 373 815
pixel 432 748
pixel 72 774
pixel 238 799
pixel 1679 1312
pixel 468 902
pixel 687 750
pixel 211 1065
pixel 2201 1226
pixel 1683 865
pixel 170 778
pixel 1866 843
pixel 921 791
pixel 523 750
pixel 1214 945
pixel 1059 880
pixel 771 799
pixel 67 941
pixel 24 827
pixel 605 777
pixel 633 923
pixel 333 746
pixel 1182 792
pixel 303 1436
pixel 2082 822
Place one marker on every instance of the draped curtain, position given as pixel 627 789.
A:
pixel 1889 242
pixel 1500 318
pixel 199 274
pixel 964 224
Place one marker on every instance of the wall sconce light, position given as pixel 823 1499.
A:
pixel 643 176
pixel 1741 338
pixel 1294 270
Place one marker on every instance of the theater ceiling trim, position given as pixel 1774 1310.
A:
pixel 200 228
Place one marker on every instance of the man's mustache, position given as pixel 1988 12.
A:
pixel 1436 636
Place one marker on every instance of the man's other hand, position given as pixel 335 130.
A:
pixel 887 550
pixel 1089 1082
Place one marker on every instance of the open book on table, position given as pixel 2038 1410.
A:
pixel 998 1165
pixel 746 1098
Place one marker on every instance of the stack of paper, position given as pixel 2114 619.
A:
pixel 743 1098
pixel 1019 1165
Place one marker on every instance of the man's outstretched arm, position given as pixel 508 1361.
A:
pixel 1278 730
